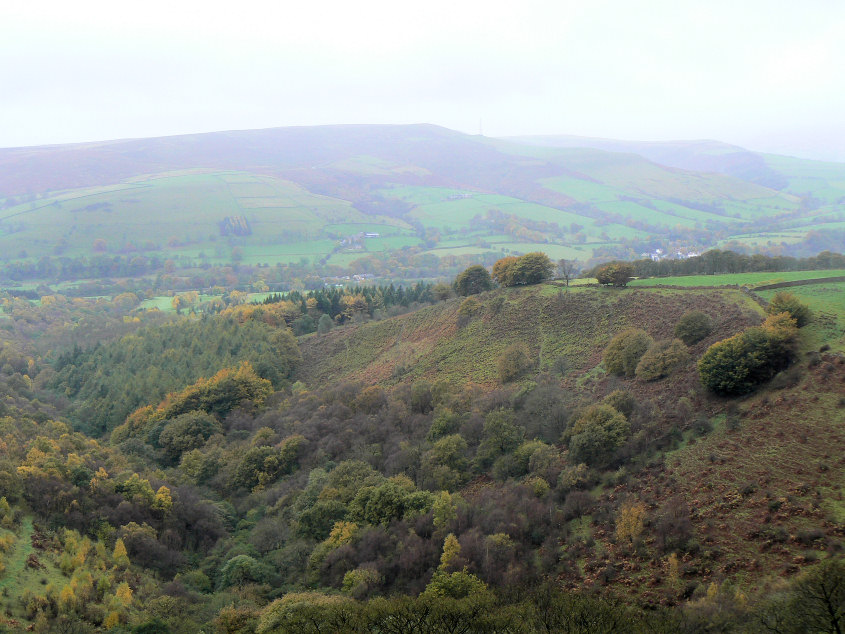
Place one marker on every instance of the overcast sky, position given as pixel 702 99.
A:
pixel 765 74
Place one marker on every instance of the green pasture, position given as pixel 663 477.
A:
pixel 19 579
pixel 377 245
pixel 688 213
pixel 742 279
pixel 635 175
pixel 824 180
pixel 397 227
pixel 164 303
pixel 580 189
pixel 765 239
pixel 554 251
pixel 441 207
pixel 474 240
pixel 639 213
pixel 346 258
pixel 171 210
pixel 443 252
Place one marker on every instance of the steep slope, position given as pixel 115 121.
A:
pixel 749 491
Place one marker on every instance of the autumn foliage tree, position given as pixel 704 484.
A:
pixel 784 302
pixel 530 268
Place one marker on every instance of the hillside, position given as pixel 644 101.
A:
pixel 569 328
pixel 755 484
pixel 402 458
pixel 328 197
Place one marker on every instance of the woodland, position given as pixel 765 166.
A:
pixel 506 453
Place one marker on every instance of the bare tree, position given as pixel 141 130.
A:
pixel 567 269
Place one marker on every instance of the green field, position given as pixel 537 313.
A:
pixel 742 279
pixel 455 209
pixel 168 213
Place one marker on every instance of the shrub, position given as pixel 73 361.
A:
pixel 515 360
pixel 784 302
pixel 299 611
pixel 661 359
pixel 467 310
pixel 624 351
pixel 324 324
pixel 693 326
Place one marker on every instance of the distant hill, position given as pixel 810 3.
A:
pixel 700 156
pixel 314 192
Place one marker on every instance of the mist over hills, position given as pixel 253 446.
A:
pixel 441 192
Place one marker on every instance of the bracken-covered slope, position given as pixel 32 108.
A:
pixel 571 325
pixel 754 485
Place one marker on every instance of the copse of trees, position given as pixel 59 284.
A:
pixel 739 364
pixel 476 279
pixel 303 311
pixel 615 274
pixel 530 268
pixel 114 379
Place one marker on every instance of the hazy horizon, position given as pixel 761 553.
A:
pixel 761 77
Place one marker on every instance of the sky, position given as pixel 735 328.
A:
pixel 768 75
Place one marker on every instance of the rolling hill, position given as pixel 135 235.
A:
pixel 334 194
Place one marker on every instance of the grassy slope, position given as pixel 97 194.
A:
pixel 20 578
pixel 187 208
pixel 575 325
pixel 826 300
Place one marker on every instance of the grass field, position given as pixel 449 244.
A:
pixel 455 209
pixel 162 212
pixel 742 279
